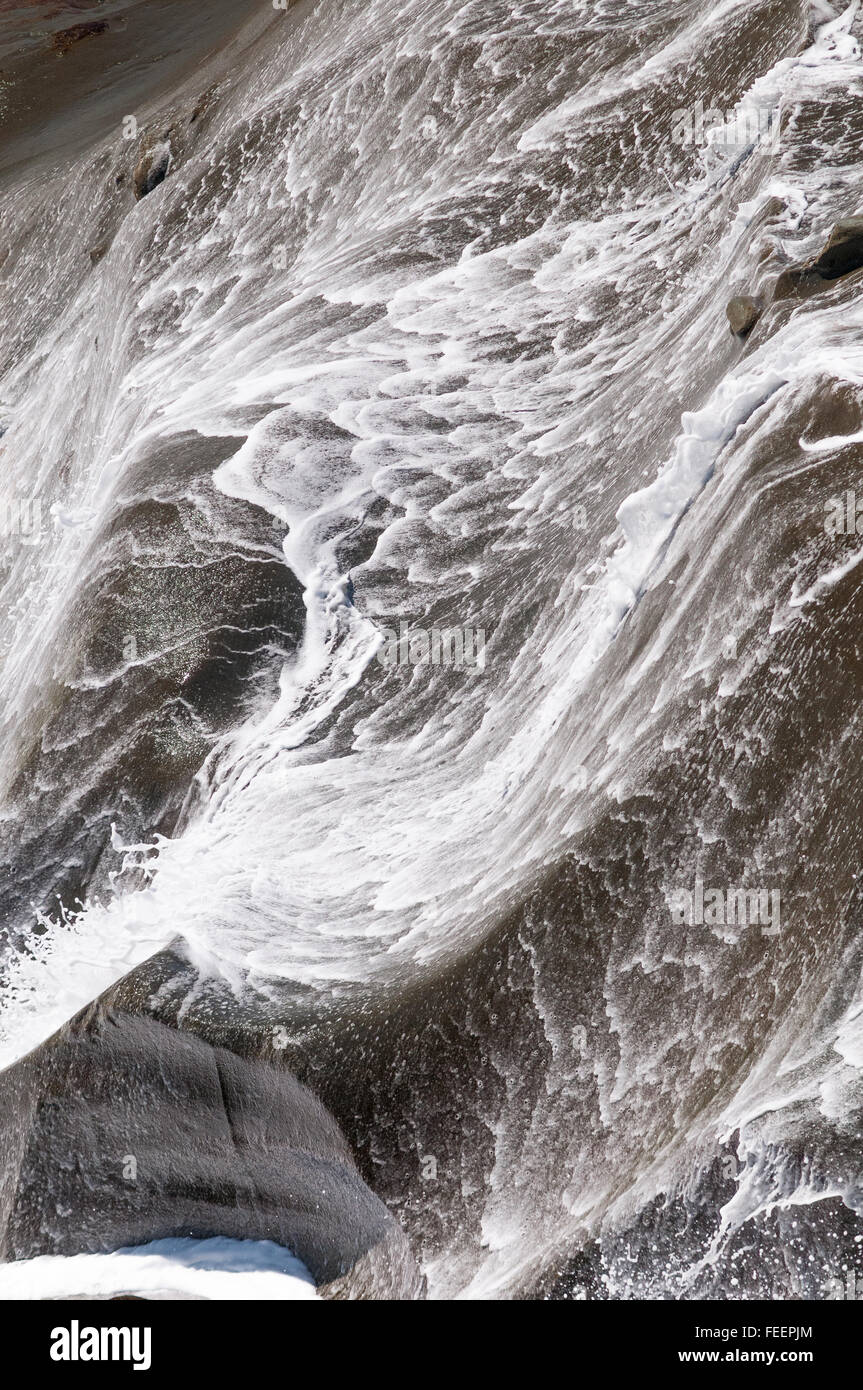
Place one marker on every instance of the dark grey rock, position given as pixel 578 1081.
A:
pixel 842 254
pixel 220 1146
pixel 844 250
pixel 151 170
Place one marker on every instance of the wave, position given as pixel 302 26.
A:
pixel 421 328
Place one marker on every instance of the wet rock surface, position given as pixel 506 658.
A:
pixel 844 251
pixel 842 255
pixel 65 39
pixel 452 893
pixel 119 1131
pixel 151 170
pixel 177 632
pixel 743 313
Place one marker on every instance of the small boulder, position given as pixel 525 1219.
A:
pixel 223 1145
pixel 151 170
pixel 844 250
pixel 842 254
pixel 743 313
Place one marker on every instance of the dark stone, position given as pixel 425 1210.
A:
pixel 844 250
pixel 743 313
pixel 151 170
pixel 222 1146
pixel 842 255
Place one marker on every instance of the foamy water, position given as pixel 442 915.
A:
pixel 216 1269
pixel 430 314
